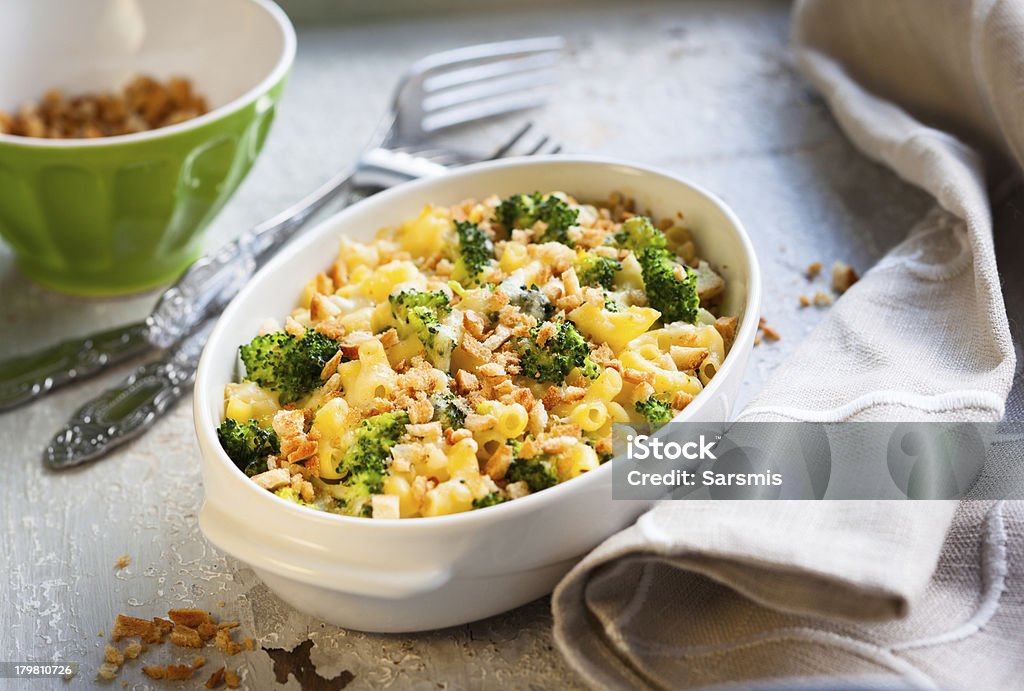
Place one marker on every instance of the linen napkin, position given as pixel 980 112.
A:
pixel 926 594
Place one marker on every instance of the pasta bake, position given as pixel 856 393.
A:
pixel 474 355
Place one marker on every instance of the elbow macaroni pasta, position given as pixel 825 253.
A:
pixel 426 395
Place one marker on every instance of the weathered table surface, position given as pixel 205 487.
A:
pixel 705 89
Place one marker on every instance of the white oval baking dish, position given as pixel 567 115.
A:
pixel 427 573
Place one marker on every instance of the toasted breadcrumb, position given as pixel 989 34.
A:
pixel 178 673
pixel 155 672
pixel 767 332
pixel 225 644
pixel 273 479
pixel 805 301
pixel 231 679
pixel 466 381
pixel 113 655
pixel 107 671
pixel 843 276
pixel 822 299
pixel 207 630
pixel 726 327
pixel 198 661
pixel 123 562
pixel 498 463
pixel 813 269
pixel 190 616
pixel 126 626
pixel 216 679
pixel 186 637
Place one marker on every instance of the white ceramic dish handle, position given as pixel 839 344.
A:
pixel 226 533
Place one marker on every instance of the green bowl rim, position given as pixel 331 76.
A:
pixel 280 70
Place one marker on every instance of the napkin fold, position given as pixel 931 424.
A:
pixel 927 594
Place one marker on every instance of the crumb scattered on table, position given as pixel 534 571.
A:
pixel 123 561
pixel 843 276
pixel 822 299
pixel 216 679
pixel 155 672
pixel 107 671
pixel 765 332
pixel 190 628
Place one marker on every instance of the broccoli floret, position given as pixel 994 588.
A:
pixel 537 472
pixel 248 445
pixel 562 351
pixel 421 314
pixel 655 409
pixel 436 301
pixel 491 499
pixel 676 298
pixel 523 210
pixel 597 271
pixel 449 410
pixel 519 210
pixel 288 365
pixel 530 300
pixel 475 252
pixel 638 234
pixel 364 463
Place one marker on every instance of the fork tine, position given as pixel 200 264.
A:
pixel 507 146
pixel 412 121
pixel 462 115
pixel 474 55
pixel 496 87
pixel 464 76
pixel 540 145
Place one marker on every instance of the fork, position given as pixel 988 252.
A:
pixel 439 92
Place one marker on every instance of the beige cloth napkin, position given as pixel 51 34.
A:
pixel 929 594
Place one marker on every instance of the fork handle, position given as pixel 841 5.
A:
pixel 125 411
pixel 27 377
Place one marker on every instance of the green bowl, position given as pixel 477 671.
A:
pixel 122 214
